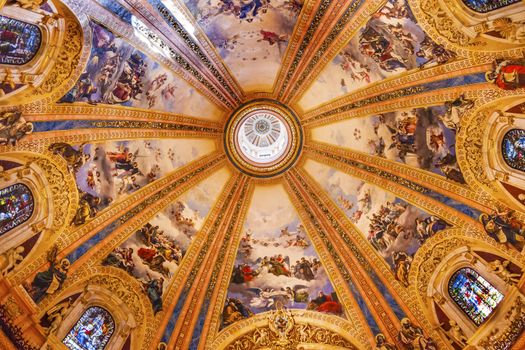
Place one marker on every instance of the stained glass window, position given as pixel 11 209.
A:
pixel 92 331
pixel 16 206
pixel 513 149
pixel 19 41
pixel 474 295
pixel 484 6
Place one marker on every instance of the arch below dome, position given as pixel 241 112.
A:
pixel 298 329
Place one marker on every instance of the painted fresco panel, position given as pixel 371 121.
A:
pixel 423 138
pixel 276 262
pixel 394 228
pixel 108 171
pixel 153 254
pixel 117 73
pixel 389 44
pixel 251 36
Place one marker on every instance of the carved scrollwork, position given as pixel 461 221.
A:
pixel 432 258
pixel 283 333
pixel 123 292
pixel 497 340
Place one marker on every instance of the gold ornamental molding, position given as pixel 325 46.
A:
pixel 61 191
pixel 123 286
pixel 337 36
pixel 472 138
pixel 162 21
pixel 317 235
pixel 310 18
pixel 74 237
pixel 412 196
pixel 39 142
pixel 429 258
pixel 300 329
pixel 211 263
pixel 401 82
pixel 421 177
pixel 220 280
pixel 186 272
pixel 411 97
pixel 438 246
pixel 84 111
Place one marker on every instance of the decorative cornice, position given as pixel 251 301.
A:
pixel 310 328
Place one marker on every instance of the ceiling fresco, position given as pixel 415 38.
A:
pixel 262 174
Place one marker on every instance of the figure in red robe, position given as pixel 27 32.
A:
pixel 147 254
pixel 325 303
pixel 507 75
pixel 247 273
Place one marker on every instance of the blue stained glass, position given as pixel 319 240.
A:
pixel 513 149
pixel 19 41
pixel 474 295
pixel 484 6
pixel 92 331
pixel 16 206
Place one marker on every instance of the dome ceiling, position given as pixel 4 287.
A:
pixel 216 163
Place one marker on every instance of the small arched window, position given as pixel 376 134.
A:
pixel 92 331
pixel 513 149
pixel 19 41
pixel 484 6
pixel 16 206
pixel 473 294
